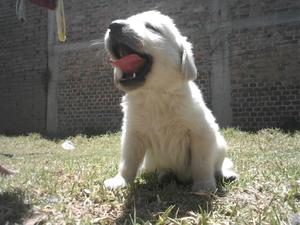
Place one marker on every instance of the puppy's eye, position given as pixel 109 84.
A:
pixel 152 28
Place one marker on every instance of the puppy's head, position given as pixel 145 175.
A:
pixel 147 50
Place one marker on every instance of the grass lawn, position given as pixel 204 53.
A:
pixel 56 186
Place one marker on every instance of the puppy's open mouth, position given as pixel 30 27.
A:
pixel 134 65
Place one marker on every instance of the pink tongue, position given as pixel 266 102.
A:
pixel 129 63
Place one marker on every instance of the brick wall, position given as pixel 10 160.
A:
pixel 88 102
pixel 257 46
pixel 266 76
pixel 23 69
pixel 246 52
pixel 265 65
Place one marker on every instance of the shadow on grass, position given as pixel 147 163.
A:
pixel 287 125
pixel 149 200
pixel 12 207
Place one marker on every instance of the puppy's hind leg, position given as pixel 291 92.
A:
pixel 132 154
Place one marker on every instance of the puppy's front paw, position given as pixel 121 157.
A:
pixel 204 186
pixel 115 182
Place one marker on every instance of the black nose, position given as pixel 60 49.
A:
pixel 116 26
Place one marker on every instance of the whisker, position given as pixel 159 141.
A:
pixel 96 42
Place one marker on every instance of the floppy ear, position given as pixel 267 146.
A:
pixel 188 67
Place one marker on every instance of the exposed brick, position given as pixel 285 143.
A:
pixel 265 56
pixel 23 69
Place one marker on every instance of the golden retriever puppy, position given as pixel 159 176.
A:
pixel 167 128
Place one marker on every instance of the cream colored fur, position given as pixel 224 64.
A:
pixel 166 126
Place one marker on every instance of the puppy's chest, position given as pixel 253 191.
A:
pixel 161 123
pixel 163 126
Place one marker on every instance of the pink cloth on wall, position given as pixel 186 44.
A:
pixel 49 4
